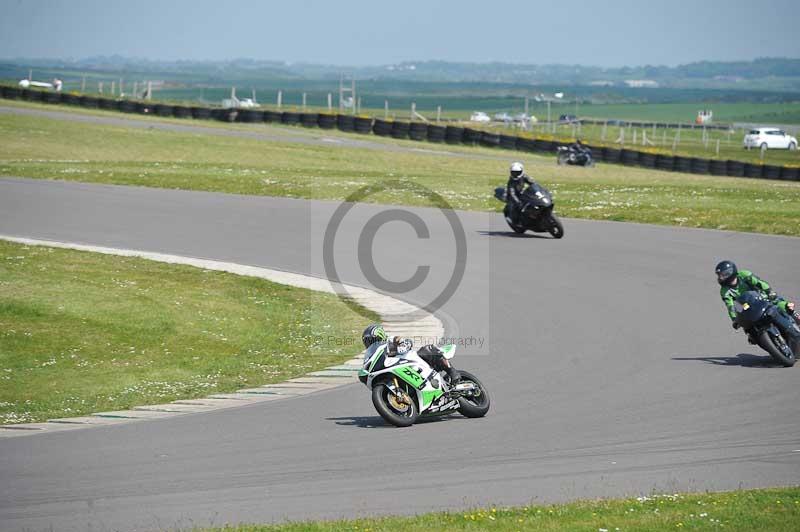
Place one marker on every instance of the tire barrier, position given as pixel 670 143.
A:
pixel 629 157
pixel 454 134
pixel 509 142
pixel 346 123
pixel 735 168
pixel 70 99
pixel 309 119
pixel 490 140
pixel 790 173
pixel 772 172
pixel 526 144
pixel 700 166
pixel 543 145
pixel 250 116
pixel 290 118
pixel 179 111
pixel 363 125
pixel 201 113
pixel 126 106
pixel 11 93
pixel 107 104
pixel 665 162
pixel 382 128
pixel 225 115
pixel 162 109
pixel 436 133
pixel 683 164
pixel 718 167
pixel 755 171
pixel 90 102
pixel 611 155
pixel 471 136
pixel 52 97
pixel 418 131
pixel 400 130
pixel 326 121
pixel 647 159
pixel 32 95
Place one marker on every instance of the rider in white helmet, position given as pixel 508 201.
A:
pixel 517 180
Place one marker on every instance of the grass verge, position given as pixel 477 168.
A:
pixel 83 332
pixel 775 509
pixel 52 149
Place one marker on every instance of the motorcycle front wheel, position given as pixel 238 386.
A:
pixel 399 414
pixel 476 405
pixel 555 229
pixel 768 344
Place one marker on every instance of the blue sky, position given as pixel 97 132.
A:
pixel 362 32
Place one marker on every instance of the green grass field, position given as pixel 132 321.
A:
pixel 83 332
pixel 776 510
pixel 51 149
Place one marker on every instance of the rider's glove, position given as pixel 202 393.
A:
pixel 771 295
pixel 735 324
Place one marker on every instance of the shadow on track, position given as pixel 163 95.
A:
pixel 377 422
pixel 511 234
pixel 744 360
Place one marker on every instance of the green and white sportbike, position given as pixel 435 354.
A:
pixel 405 387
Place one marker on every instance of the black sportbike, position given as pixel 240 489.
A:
pixel 535 212
pixel 570 155
pixel 768 327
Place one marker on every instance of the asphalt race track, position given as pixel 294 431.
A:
pixel 612 367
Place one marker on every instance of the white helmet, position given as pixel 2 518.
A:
pixel 517 169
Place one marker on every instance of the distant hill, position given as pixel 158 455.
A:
pixel 762 74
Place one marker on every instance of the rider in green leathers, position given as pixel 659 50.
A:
pixel 734 282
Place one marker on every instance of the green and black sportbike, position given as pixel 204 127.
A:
pixel 768 327
pixel 404 387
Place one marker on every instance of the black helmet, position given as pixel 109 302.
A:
pixel 373 333
pixel 726 272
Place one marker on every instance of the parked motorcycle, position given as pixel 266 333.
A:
pixel 535 212
pixel 404 387
pixel 569 155
pixel 768 327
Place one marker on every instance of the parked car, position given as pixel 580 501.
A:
pixel 769 138
pixel 479 116
pixel 567 119
pixel 502 117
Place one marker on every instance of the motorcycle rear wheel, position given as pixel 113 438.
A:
pixel 382 403
pixel 473 406
pixel 767 344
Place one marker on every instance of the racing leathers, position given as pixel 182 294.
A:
pixel 745 282
pixel 514 189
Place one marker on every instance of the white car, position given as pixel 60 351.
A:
pixel 769 137
pixel 479 116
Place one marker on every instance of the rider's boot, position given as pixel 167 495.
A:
pixel 455 378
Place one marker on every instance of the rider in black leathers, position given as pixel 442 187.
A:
pixel 517 180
